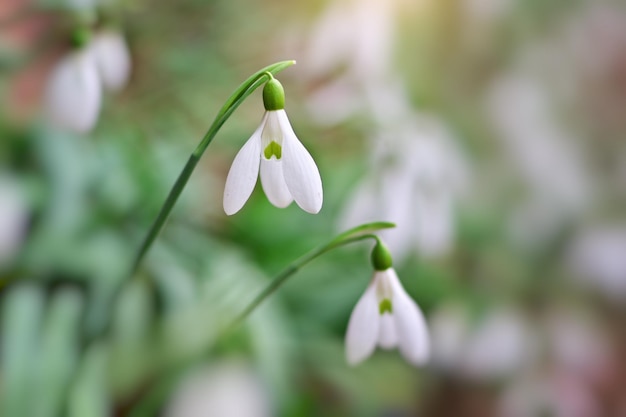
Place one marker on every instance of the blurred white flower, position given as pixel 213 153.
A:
pixel 597 257
pixel 357 34
pixel 74 92
pixel 386 316
pixel 13 219
pixel 112 58
pixel 449 332
pixel 351 46
pixel 548 159
pixel 495 347
pixel 223 390
pixel 416 176
pixel 500 346
pixel 547 156
pixel 288 171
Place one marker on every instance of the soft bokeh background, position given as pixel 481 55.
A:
pixel 491 131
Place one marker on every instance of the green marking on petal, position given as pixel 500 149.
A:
pixel 385 307
pixel 273 149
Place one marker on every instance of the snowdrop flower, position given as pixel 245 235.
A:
pixel 74 93
pixel 386 316
pixel 288 171
pixel 112 59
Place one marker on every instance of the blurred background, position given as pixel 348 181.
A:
pixel 491 131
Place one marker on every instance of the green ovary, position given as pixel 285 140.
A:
pixel 273 149
pixel 385 307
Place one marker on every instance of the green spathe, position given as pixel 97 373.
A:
pixel 273 95
pixel 80 37
pixel 381 257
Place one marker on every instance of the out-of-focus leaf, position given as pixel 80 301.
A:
pixel 21 317
pixel 89 394
pixel 58 353
pixel 130 355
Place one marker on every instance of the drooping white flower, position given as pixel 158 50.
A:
pixel 287 170
pixel 74 93
pixel 386 316
pixel 112 59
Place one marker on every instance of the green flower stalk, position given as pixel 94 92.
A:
pixel 236 98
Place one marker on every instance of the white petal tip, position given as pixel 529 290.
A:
pixel 230 212
pixel 232 203
pixel 313 210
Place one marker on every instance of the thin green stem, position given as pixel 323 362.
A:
pixel 236 98
pixel 353 235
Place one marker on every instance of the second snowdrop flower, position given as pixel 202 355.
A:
pixel 287 170
pixel 386 316
pixel 74 93
pixel 112 59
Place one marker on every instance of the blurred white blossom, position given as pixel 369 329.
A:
pixel 548 159
pixel 13 219
pixel 416 172
pixel 112 58
pixel 415 177
pixel 496 346
pixel 356 34
pixel 228 389
pixel 74 92
pixel 597 258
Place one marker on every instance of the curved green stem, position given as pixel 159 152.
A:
pixel 236 98
pixel 353 235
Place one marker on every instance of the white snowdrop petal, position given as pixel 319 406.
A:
pixel 301 173
pixel 363 327
pixel 112 58
pixel 74 94
pixel 273 183
pixel 243 174
pixel 387 334
pixel 411 327
pixel 412 331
